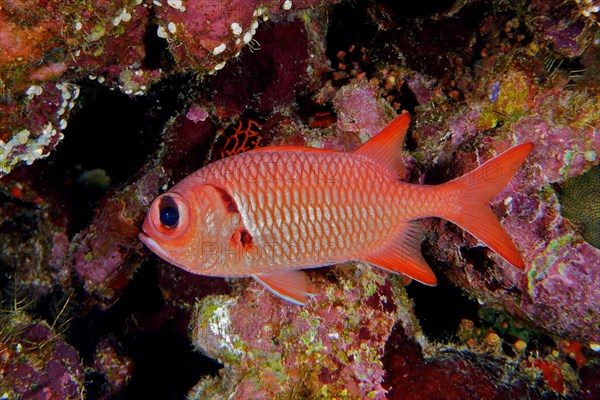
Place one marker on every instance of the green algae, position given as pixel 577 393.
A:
pixel 97 32
pixel 556 249
pixel 568 158
pixel 558 244
pixel 580 203
pixel 505 325
pixel 511 101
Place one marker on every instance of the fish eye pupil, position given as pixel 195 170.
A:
pixel 169 216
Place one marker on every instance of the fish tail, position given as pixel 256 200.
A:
pixel 470 193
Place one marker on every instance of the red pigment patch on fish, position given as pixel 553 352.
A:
pixel 246 239
pixel 228 201
pixel 242 237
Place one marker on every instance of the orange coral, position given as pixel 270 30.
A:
pixel 244 136
pixel 551 373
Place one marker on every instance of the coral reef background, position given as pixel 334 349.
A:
pixel 104 105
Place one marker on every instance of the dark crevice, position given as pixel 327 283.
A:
pixel 152 334
pixel 114 133
pixel 440 309
pixel 157 52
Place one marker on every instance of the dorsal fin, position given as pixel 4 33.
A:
pixel 385 148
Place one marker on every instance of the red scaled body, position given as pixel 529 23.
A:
pixel 271 212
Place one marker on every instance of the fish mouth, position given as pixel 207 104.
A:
pixel 147 240
pixel 153 245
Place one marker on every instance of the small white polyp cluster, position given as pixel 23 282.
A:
pixel 176 4
pixel 171 28
pixel 129 82
pixel 219 49
pixel 124 16
pixel 259 12
pixel 163 33
pixel 23 147
pixel 33 91
pixel 236 29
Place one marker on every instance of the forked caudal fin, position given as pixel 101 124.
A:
pixel 469 195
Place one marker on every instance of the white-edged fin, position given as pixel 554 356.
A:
pixel 386 147
pixel 403 255
pixel 292 285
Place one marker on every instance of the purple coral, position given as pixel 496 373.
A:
pixel 36 363
pixel 560 274
pixel 204 36
pixel 331 346
pixel 111 45
pixel 116 368
pixel 99 253
pixel 360 110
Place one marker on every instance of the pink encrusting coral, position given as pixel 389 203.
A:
pixel 562 277
pixel 561 273
pixel 204 36
pixel 115 367
pixel 68 42
pixel 45 48
pixel 35 362
pixel 99 253
pixel 328 348
pixel 360 110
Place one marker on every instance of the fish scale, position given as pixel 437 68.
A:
pixel 347 218
pixel 272 211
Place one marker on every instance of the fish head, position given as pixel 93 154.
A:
pixel 187 226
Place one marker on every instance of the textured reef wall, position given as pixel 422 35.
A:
pixel 104 106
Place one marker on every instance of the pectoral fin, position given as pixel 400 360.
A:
pixel 293 286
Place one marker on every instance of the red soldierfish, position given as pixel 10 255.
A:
pixel 273 211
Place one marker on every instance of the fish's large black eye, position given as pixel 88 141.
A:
pixel 169 214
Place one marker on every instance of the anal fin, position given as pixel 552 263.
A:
pixel 403 255
pixel 291 285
